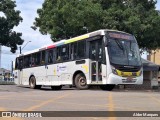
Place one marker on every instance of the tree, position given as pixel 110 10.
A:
pixel 64 19
pixel 68 18
pixel 136 17
pixel 8 37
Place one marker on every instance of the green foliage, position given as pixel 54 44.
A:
pixel 68 18
pixel 8 37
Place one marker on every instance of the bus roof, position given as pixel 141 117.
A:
pixel 62 42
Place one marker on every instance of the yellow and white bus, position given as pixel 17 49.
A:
pixel 104 57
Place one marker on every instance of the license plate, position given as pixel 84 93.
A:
pixel 128 80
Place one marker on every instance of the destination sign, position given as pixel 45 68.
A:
pixel 120 36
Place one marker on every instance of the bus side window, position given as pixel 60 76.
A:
pixel 43 57
pixel 33 60
pixel 26 61
pixel 65 52
pixel 16 64
pixel 81 52
pixel 58 55
pixel 73 51
pixel 54 55
pixel 29 61
pixel 100 51
pixel 20 65
pixel 50 56
pixel 38 57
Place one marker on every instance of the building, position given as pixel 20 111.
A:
pixel 4 74
pixel 154 57
pixel 150 76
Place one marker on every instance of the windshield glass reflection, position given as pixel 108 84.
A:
pixel 124 52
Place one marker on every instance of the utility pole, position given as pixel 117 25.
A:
pixel 11 68
pixel 20 50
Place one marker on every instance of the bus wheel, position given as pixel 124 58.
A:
pixel 32 83
pixel 56 87
pixel 81 82
pixel 107 87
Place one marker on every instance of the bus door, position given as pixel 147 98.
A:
pixel 20 70
pixel 95 55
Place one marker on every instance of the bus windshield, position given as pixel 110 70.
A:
pixel 124 52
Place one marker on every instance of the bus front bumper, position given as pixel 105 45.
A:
pixel 115 79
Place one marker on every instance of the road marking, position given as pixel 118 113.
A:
pixel 111 107
pixel 21 99
pixel 2 109
pixel 45 103
pixel 103 106
pixel 82 104
pixel 99 118
pixel 6 96
pixel 156 99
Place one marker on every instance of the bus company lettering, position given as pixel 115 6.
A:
pixel 61 68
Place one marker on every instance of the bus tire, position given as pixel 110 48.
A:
pixel 32 83
pixel 81 82
pixel 56 87
pixel 107 87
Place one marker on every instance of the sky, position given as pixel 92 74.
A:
pixel 28 10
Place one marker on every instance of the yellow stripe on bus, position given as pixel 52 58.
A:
pixel 77 38
pixel 127 74
pixel 85 67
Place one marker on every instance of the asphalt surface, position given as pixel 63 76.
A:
pixel 18 98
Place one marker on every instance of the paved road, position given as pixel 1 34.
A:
pixel 16 98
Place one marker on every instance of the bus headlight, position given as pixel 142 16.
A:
pixel 114 71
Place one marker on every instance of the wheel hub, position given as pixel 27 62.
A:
pixel 32 83
pixel 82 81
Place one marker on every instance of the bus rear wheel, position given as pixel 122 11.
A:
pixel 81 82
pixel 56 87
pixel 107 87
pixel 32 83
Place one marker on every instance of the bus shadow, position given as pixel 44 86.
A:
pixel 64 88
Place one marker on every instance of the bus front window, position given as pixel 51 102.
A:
pixel 124 52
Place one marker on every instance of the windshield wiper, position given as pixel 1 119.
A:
pixel 119 45
pixel 130 47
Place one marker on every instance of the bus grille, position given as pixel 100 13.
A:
pixel 127 69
